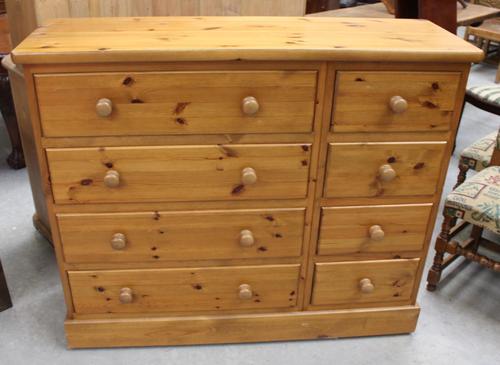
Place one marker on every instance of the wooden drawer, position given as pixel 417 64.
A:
pixel 363 101
pixel 371 230
pixel 157 103
pixel 186 289
pixel 167 236
pixel 360 169
pixel 371 282
pixel 178 173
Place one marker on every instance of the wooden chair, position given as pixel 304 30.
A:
pixel 478 155
pixel 486 36
pixel 475 202
pixel 5 301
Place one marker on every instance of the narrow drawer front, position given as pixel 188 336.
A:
pixel 155 103
pixel 370 282
pixel 186 289
pixel 370 230
pixel 383 169
pixel 167 236
pixel 178 173
pixel 394 101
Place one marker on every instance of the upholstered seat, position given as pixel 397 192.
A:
pixel 488 93
pixel 478 155
pixel 477 200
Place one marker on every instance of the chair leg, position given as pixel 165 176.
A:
pixel 462 174
pixel 497 78
pixel 5 301
pixel 16 158
pixel 476 235
pixel 434 274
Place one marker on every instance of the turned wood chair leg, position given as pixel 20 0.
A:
pixel 462 174
pixel 5 301
pixel 497 78
pixel 434 274
pixel 476 234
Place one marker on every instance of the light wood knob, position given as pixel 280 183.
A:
pixel 104 107
pixel 398 104
pixel 250 105
pixel 246 238
pixel 112 179
pixel 118 241
pixel 386 173
pixel 248 176
pixel 126 296
pixel 245 291
pixel 366 286
pixel 376 233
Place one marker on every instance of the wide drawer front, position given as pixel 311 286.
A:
pixel 139 103
pixel 353 283
pixel 394 101
pixel 178 173
pixel 186 289
pixel 167 236
pixel 371 230
pixel 383 169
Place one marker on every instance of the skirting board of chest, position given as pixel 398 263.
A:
pixel 223 180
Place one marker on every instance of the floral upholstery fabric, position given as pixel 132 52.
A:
pixel 477 200
pixel 478 155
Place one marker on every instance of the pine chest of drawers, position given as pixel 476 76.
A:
pixel 215 180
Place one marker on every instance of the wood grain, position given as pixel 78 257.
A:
pixel 186 289
pixel 179 173
pixel 430 96
pixel 240 328
pixel 155 103
pixel 345 230
pixel 189 235
pixel 241 38
pixel 353 169
pixel 339 283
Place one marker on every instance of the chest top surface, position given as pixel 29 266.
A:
pixel 157 39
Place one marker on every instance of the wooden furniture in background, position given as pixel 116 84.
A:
pixel 390 6
pixel 209 161
pixel 472 14
pixel 315 6
pixel 15 159
pixel 5 301
pixel 492 3
pixel 485 35
pixel 18 85
pixel 472 203
pixel 478 156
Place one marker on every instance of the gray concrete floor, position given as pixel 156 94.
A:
pixel 459 324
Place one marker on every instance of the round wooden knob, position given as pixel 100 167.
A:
pixel 250 105
pixel 248 176
pixel 398 104
pixel 386 173
pixel 376 233
pixel 126 296
pixel 245 291
pixel 112 179
pixel 246 238
pixel 366 286
pixel 118 241
pixel 104 107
